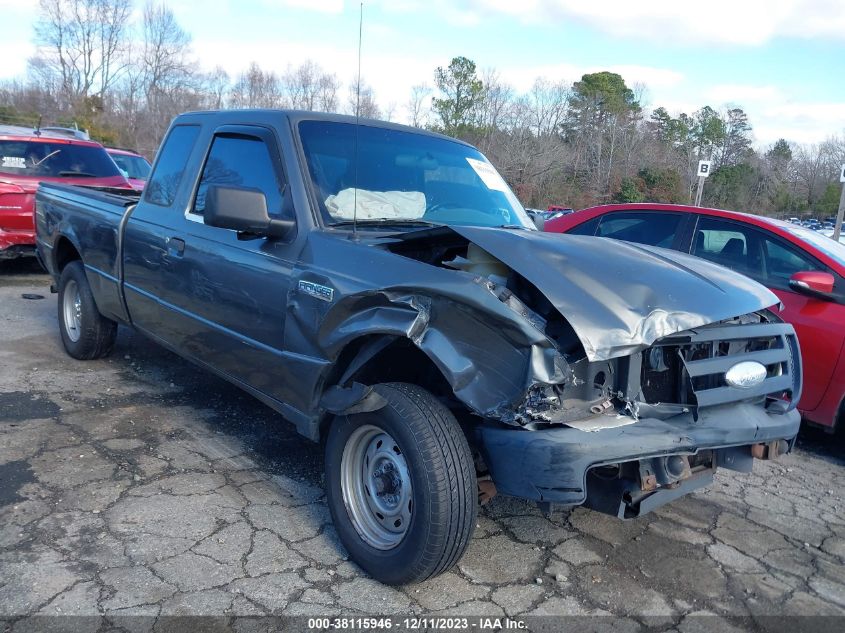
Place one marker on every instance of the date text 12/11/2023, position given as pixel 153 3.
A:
pixel 416 623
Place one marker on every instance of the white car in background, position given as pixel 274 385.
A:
pixel 829 233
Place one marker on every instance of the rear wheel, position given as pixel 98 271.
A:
pixel 401 486
pixel 86 334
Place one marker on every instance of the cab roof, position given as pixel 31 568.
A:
pixel 295 116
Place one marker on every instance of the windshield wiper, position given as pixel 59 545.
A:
pixel 81 174
pixel 50 155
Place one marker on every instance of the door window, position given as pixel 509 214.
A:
pixel 750 251
pixel 783 261
pixel 732 245
pixel 161 189
pixel 242 161
pixel 586 228
pixel 651 227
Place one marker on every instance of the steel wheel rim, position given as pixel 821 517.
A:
pixel 72 309
pixel 376 486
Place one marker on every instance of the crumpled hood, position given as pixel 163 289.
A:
pixel 617 296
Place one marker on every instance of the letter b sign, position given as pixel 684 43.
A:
pixel 704 168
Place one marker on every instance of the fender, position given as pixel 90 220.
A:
pixel 491 355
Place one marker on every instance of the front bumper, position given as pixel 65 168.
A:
pixel 552 465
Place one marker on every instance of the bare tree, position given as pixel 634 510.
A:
pixel 309 87
pixel 257 88
pixel 496 105
pixel 164 60
pixel 363 104
pixel 418 105
pixel 163 74
pixel 82 43
pixel 814 169
pixel 546 105
pixel 389 112
pixel 328 87
pixel 214 87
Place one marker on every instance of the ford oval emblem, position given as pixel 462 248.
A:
pixel 746 374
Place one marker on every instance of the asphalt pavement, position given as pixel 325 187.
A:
pixel 140 484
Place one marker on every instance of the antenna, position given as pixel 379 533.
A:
pixel 38 125
pixel 357 126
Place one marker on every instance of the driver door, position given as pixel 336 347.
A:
pixel 234 301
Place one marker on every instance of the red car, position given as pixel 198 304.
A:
pixel 135 167
pixel 28 158
pixel 805 269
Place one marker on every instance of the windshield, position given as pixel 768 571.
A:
pixel 132 166
pixel 827 245
pixel 45 159
pixel 404 177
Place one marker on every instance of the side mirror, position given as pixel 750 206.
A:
pixel 813 283
pixel 244 210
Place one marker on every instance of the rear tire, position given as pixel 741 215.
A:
pixel 839 425
pixel 86 334
pixel 401 486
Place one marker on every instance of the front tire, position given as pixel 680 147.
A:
pixel 86 334
pixel 401 486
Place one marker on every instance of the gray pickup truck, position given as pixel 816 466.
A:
pixel 383 290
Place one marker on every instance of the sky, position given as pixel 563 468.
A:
pixel 780 60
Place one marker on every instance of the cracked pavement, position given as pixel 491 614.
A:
pixel 142 485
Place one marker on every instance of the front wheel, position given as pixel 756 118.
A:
pixel 86 334
pixel 401 486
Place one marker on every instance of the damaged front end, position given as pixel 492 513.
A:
pixel 587 384
pixel 528 341
pixel 673 418
pixel 507 354
pixel 542 332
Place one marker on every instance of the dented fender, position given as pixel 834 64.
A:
pixel 489 354
pixel 491 348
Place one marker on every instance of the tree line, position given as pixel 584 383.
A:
pixel 592 141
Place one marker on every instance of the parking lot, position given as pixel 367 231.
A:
pixel 142 485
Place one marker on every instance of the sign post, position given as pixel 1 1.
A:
pixel 703 172
pixel 837 228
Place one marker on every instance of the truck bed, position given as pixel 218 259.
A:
pixel 105 195
pixel 89 220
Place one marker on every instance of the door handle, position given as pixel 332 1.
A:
pixel 175 246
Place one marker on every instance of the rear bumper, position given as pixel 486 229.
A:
pixel 552 465
pixel 16 243
pixel 17 225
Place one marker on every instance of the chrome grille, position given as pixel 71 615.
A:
pixel 694 365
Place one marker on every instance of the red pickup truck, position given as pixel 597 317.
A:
pixel 29 157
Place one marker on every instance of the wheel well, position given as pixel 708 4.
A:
pixel 64 253
pixel 400 361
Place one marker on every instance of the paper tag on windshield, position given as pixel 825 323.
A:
pixel 488 175
pixel 16 162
